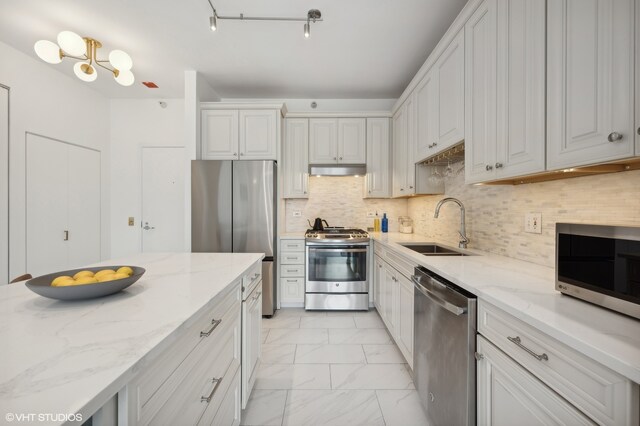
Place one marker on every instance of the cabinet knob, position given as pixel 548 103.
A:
pixel 335 158
pixel 488 168
pixel 430 146
pixel 305 192
pixel 638 131
pixel 411 187
pixel 242 153
pixel 614 137
pixel 401 189
pixel 435 144
pixel 369 191
pixel 235 154
pixel 341 158
pixel 498 165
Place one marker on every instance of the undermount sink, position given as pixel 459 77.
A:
pixel 433 250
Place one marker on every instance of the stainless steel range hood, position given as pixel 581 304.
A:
pixel 337 169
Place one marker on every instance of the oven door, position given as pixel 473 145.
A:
pixel 336 269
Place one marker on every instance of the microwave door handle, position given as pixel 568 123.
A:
pixel 454 309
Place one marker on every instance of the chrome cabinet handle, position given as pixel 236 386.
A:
pixel 614 137
pixel 257 274
pixel 435 144
pixel 411 187
pixel 478 356
pixel 401 189
pixel 292 270
pixel 518 342
pixel 498 165
pixel 258 294
pixel 66 236
pixel 488 168
pixel 146 226
pixel 638 131
pixel 341 158
pixel 215 324
pixel 208 399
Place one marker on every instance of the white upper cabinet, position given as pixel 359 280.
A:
pixel 337 141
pixel 426 98
pixel 377 181
pixel 352 141
pixel 450 70
pixel 399 150
pixel 246 134
pixel 590 77
pixel 295 158
pixel 258 134
pixel 219 135
pixel 505 90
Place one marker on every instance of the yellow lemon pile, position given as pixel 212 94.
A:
pixel 88 277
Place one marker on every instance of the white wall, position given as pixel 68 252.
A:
pixel 51 103
pixel 136 123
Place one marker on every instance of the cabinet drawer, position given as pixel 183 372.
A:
pixel 597 391
pixel 291 245
pixel 292 258
pixel 400 264
pixel 292 270
pixel 379 249
pixel 228 413
pixel 251 279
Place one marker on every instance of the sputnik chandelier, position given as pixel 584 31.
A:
pixel 313 16
pixel 84 50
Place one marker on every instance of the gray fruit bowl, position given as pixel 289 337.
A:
pixel 42 285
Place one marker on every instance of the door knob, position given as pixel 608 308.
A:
pixel 614 137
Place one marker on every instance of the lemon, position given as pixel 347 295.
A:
pixel 63 282
pixel 104 278
pixel 82 274
pixel 103 272
pixel 119 276
pixel 60 279
pixel 125 270
pixel 86 280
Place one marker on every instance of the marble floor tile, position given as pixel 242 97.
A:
pixel 383 354
pixel 366 336
pixel 308 336
pixel 278 354
pixel 293 376
pixel 370 376
pixel 330 354
pixel 332 408
pixel 368 321
pixel 264 408
pixel 370 312
pixel 281 322
pixel 401 408
pixel 265 334
pixel 298 312
pixel 327 322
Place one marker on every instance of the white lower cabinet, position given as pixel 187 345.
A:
pixel 509 395
pixel 405 316
pixel 251 340
pixel 292 272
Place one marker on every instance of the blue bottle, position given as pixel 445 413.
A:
pixel 385 223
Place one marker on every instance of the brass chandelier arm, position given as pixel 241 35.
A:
pixel 113 70
pixel 241 17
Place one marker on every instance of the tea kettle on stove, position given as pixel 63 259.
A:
pixel 317 224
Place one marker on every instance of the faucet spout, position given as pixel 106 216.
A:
pixel 463 234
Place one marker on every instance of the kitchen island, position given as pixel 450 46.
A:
pixel 63 358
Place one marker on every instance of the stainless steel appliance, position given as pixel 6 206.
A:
pixel 233 206
pixel 600 264
pixel 444 366
pixel 337 276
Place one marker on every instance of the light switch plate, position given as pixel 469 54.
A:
pixel 297 213
pixel 533 223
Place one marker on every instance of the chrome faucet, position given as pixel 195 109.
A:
pixel 463 235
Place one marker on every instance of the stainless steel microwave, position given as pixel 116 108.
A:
pixel 600 264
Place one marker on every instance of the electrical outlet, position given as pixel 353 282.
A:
pixel 533 223
pixel 131 221
pixel 371 214
pixel 297 213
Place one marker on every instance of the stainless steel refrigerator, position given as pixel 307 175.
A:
pixel 233 205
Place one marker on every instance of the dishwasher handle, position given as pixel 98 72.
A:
pixel 454 309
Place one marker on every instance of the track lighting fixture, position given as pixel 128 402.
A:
pixel 314 15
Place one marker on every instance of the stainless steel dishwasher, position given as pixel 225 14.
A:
pixel 444 366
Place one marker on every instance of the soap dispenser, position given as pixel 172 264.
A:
pixel 376 223
pixel 385 223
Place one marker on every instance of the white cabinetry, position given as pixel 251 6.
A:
pixel 244 134
pixel 62 205
pixel 426 95
pixel 251 338
pixel 590 77
pixel 295 158
pixel 292 272
pixel 505 90
pixel 378 179
pixel 405 315
pixel 337 141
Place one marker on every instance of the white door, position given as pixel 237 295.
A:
pixel 352 141
pixel 219 135
pixel 590 81
pixel 450 68
pixel 323 141
pixel 295 161
pixel 427 115
pixel 163 201
pixel 258 134
pixel 4 185
pixel 378 173
pixel 84 212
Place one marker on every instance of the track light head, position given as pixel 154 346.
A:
pixel 213 22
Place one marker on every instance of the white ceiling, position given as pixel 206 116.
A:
pixel 363 49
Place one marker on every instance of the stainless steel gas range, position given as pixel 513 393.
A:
pixel 337 274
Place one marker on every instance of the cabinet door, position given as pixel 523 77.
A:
pixel 480 93
pixel 509 395
pixel 399 148
pixel 450 70
pixel 378 276
pixel 387 298
pixel 258 134
pixel 352 140
pixel 521 87
pixel 589 81
pixel 323 141
pixel 426 99
pixel 292 289
pixel 395 305
pixel 405 304
pixel 229 411
pixel 410 149
pixel 219 135
pixel 295 159
pixel 378 173
pixel 251 341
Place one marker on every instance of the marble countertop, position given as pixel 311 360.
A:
pixel 527 291
pixel 72 357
